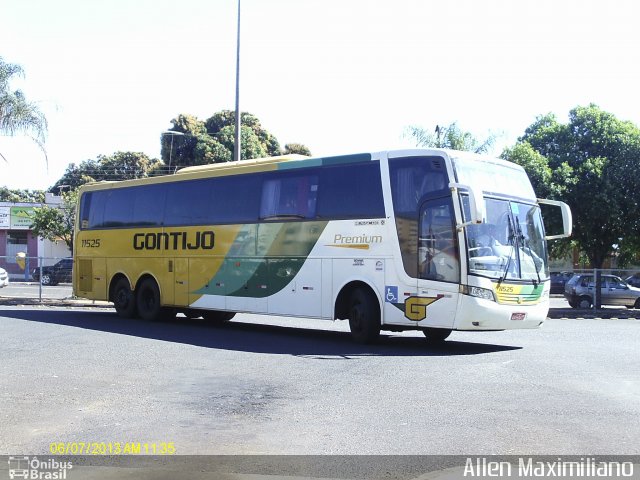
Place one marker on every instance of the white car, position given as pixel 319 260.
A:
pixel 4 278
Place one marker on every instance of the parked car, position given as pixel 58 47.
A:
pixel 4 278
pixel 580 292
pixel 559 280
pixel 54 274
pixel 634 280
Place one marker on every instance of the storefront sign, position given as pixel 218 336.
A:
pixel 5 217
pixel 22 217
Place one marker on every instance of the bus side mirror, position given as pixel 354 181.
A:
pixel 567 220
pixel 476 204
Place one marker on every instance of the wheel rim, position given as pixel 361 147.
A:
pixel 122 299
pixel 46 280
pixel 584 304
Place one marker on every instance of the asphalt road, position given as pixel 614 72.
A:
pixel 302 387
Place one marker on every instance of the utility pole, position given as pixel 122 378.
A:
pixel 236 145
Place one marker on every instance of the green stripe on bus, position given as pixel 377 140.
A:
pixel 283 250
pixel 326 161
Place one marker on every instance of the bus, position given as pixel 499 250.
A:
pixel 421 239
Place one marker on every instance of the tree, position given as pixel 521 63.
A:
pixel 17 114
pixel 194 142
pixel 449 136
pixel 53 224
pixel 118 166
pixel 178 149
pixel 15 196
pixel 296 148
pixel 591 163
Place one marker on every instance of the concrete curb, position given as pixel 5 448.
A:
pixel 50 302
pixel 601 314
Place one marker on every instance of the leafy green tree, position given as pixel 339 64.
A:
pixel 296 148
pixel 52 223
pixel 252 145
pixel 118 166
pixel 178 145
pixel 17 114
pixel 592 163
pixel 449 136
pixel 33 196
pixel 209 150
pixel 193 142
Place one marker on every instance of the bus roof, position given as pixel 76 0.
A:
pixel 283 162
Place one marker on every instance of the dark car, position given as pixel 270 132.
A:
pixel 634 280
pixel 559 280
pixel 54 274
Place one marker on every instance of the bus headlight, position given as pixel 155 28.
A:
pixel 478 292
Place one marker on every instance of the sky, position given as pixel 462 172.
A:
pixel 339 76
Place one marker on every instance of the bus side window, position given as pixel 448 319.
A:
pixel 187 203
pixel 85 208
pixel 289 196
pixel 351 191
pixel 118 211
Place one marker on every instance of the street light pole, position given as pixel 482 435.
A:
pixel 173 134
pixel 236 145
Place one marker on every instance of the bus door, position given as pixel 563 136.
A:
pixel 438 265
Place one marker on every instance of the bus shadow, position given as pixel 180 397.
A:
pixel 256 338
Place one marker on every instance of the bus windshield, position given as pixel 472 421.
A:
pixel 493 176
pixel 510 245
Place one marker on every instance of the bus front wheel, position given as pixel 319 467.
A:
pixel 148 300
pixel 124 299
pixel 364 316
pixel 436 335
pixel 215 316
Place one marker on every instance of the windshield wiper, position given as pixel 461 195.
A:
pixel 525 245
pixel 284 216
pixel 512 239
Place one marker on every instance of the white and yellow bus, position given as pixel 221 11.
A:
pixel 429 240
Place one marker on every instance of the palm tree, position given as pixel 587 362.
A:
pixel 449 136
pixel 17 115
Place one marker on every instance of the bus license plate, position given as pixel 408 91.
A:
pixel 518 316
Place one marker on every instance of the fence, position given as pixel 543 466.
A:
pixel 43 271
pixel 46 271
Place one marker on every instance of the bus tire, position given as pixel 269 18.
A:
pixel 148 300
pixel 124 300
pixel 216 316
pixel 191 314
pixel 364 316
pixel 436 335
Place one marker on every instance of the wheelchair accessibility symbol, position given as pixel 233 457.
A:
pixel 391 294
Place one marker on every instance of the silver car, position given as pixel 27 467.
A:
pixel 580 291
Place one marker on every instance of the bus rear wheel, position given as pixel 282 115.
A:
pixel 148 300
pixel 124 299
pixel 436 335
pixel 364 316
